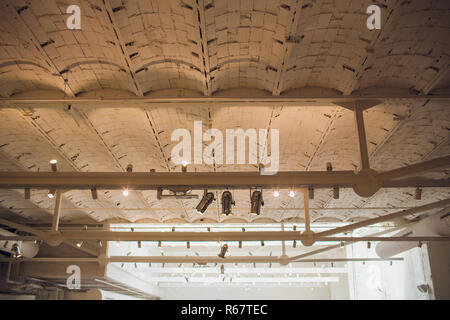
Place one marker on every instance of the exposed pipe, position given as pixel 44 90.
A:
pixel 435 225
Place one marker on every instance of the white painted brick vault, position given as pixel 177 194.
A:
pixel 242 47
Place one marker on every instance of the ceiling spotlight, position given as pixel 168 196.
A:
pixel 139 244
pixel 117 243
pixel 94 193
pixel 159 244
pixel 223 251
pixel 256 202
pixel 184 165
pixel 368 245
pixel 294 244
pixel 240 244
pixel 53 165
pixel 292 193
pixel 130 168
pixel 16 252
pixel 125 193
pixel 51 194
pixel 79 244
pixel 188 244
pixel 207 199
pixel 227 202
pixel 262 243
pixel 329 167
pixel 276 193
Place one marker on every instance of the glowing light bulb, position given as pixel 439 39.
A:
pixel 53 161
pixel 276 194
pixel 292 193
pixel 184 163
pixel 125 193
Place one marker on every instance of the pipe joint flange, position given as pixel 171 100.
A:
pixel 368 184
pixel 53 241
pixel 284 260
pixel 308 238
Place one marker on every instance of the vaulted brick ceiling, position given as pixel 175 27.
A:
pixel 248 48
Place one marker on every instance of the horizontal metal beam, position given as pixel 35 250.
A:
pixel 153 181
pixel 388 217
pixel 199 260
pixel 196 181
pixel 435 164
pixel 207 236
pixel 208 101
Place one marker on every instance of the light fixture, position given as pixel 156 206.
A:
pixel 188 244
pixel 262 243
pixel 207 199
pixel 418 195
pixel 125 192
pixel 256 202
pixel 336 193
pixel 139 244
pixel 240 244
pixel 329 167
pixel 80 244
pixel 276 193
pixel 51 193
pixel 292 193
pixel 159 244
pixel 368 245
pixel 16 252
pixel 184 165
pixel 227 202
pixel 27 194
pixel 94 193
pixel 294 244
pixel 423 288
pixel 130 168
pixel 223 251
pixel 117 243
pixel 311 193
pixel 54 166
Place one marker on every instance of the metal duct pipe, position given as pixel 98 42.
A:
pixel 28 249
pixel 435 225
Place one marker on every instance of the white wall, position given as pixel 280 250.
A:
pixel 378 280
pixel 284 293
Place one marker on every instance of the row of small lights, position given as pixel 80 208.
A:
pixel 126 192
